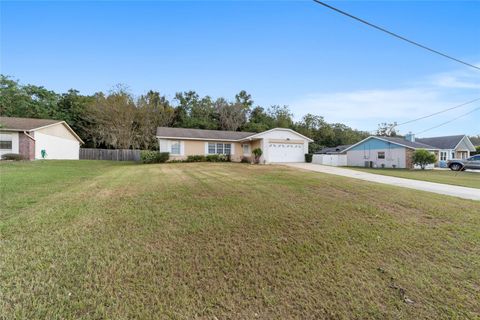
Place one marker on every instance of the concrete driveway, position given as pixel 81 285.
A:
pixel 456 191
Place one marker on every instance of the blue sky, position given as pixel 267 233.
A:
pixel 282 52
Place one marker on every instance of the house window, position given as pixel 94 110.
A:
pixel 453 155
pixel 381 155
pixel 227 148
pixel 5 145
pixel 246 149
pixel 211 148
pixel 175 147
pixel 443 155
pixel 219 148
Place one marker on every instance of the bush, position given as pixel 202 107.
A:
pixel 257 152
pixel 12 156
pixel 196 158
pixel 148 156
pixel 422 158
pixel 217 158
pixel 308 157
pixel 245 160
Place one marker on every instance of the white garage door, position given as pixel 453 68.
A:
pixel 286 152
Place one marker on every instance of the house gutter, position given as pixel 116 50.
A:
pixel 25 133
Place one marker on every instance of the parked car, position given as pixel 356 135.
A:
pixel 462 164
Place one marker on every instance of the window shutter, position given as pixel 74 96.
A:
pixel 164 145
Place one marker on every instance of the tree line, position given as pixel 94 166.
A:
pixel 118 120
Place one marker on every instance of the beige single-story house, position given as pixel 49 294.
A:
pixel 277 145
pixel 28 137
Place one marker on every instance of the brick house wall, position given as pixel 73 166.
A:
pixel 409 158
pixel 26 146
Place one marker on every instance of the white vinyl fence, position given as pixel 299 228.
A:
pixel 336 160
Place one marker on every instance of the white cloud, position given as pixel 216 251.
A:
pixel 364 109
pixel 384 105
pixel 457 79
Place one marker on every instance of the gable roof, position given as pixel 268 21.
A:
pixel 395 140
pixel 414 145
pixel 202 134
pixel 256 135
pixel 475 140
pixel 24 124
pixel 447 142
pixel 183 133
pixel 32 124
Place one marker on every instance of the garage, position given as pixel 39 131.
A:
pixel 286 152
pixel 280 145
pixel 38 139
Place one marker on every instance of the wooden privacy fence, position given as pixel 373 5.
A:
pixel 109 154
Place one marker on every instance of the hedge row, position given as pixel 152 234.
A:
pixel 148 156
pixel 208 158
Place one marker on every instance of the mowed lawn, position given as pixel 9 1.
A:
pixel 464 178
pixel 104 240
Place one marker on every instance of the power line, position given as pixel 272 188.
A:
pixel 396 35
pixel 446 122
pixel 438 112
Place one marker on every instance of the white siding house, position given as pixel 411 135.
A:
pixel 38 138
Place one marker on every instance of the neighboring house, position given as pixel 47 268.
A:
pixel 388 152
pixel 450 147
pixel 333 156
pixel 475 141
pixel 334 150
pixel 29 137
pixel 278 145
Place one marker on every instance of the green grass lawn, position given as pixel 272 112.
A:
pixel 464 178
pixel 104 240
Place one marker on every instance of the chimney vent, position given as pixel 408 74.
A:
pixel 410 137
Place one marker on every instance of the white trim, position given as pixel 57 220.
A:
pixel 356 144
pixel 249 153
pixel 25 133
pixel 182 148
pixel 223 147
pixel 468 142
pixel 43 127
pixel 274 129
pixel 66 125
pixel 200 139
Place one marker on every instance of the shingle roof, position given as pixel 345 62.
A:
pixel 24 124
pixel 448 142
pixel 475 141
pixel 416 144
pixel 337 149
pixel 202 134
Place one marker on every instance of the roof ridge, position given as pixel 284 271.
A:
pixel 216 130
